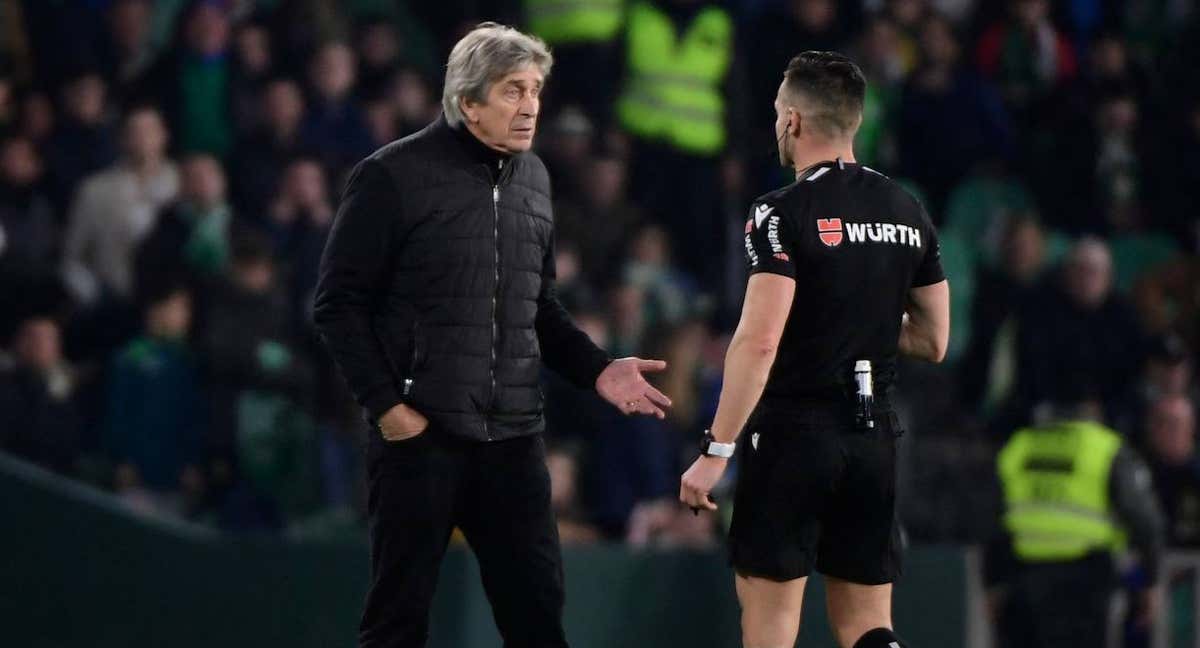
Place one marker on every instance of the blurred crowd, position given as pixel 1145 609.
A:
pixel 169 171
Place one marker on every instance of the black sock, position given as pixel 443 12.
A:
pixel 880 638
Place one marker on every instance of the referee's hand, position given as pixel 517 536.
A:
pixel 699 481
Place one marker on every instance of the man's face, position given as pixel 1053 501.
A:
pixel 38 344
pixel 507 119
pixel 203 182
pixel 1171 430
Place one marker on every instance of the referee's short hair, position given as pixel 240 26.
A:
pixel 831 87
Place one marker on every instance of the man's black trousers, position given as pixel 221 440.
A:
pixel 498 494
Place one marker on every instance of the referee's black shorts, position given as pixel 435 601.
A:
pixel 813 491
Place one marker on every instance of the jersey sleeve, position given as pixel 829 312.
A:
pixel 930 270
pixel 770 241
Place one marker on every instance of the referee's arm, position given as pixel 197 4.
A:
pixel 752 351
pixel 925 328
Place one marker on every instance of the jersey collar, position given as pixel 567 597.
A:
pixel 837 163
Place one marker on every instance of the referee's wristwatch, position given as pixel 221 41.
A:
pixel 709 446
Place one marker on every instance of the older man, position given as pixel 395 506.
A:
pixel 436 299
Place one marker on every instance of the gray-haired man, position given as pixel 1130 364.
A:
pixel 436 299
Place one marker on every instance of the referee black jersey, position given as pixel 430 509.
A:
pixel 855 242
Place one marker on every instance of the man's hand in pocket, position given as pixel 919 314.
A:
pixel 402 422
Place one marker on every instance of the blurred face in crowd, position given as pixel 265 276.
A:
pixel 815 15
pixel 938 43
pixel 1089 274
pixel 1118 115
pixel 19 162
pixel 129 23
pixel 37 116
pixel 907 13
pixel 507 118
pixel 39 344
pixel 1169 375
pixel 83 99
pixel 1170 428
pixel 1024 249
pixel 651 247
pixel 202 182
pixel 283 105
pixel 1030 13
pixel 1109 57
pixel 208 30
pixel 305 183
pixel 605 181
pixel 145 136
pixel 411 96
pixel 381 120
pixel 170 318
pixel 378 45
pixel 254 49
pixel 333 71
pixel 595 326
pixel 255 276
pixel 881 44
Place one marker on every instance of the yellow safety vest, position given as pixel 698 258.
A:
pixel 673 89
pixel 564 22
pixel 1056 481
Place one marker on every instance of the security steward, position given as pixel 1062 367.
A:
pixel 436 299
pixel 1074 494
pixel 844 276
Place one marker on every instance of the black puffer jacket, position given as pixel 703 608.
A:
pixel 437 287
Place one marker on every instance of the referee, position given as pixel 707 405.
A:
pixel 844 276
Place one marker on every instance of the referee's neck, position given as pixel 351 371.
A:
pixel 814 155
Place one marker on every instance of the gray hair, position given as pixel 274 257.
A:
pixel 482 57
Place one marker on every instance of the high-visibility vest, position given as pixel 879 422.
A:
pixel 565 22
pixel 1056 481
pixel 673 90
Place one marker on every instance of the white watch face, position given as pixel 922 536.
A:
pixel 721 449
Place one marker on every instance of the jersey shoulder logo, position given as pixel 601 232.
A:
pixel 830 231
pixel 761 211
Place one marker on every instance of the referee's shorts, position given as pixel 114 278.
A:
pixel 814 491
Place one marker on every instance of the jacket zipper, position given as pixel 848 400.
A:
pixel 495 296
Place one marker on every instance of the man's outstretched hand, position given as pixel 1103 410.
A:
pixel 621 383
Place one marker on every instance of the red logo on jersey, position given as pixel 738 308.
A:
pixel 749 225
pixel 782 256
pixel 830 231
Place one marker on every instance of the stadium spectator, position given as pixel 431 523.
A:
pixel 191 83
pixel 154 423
pixel 116 208
pixel 83 141
pixel 949 119
pixel 412 101
pixel 562 462
pixel 600 217
pixel 252 68
pixel 378 51
pixel 247 344
pixel 190 241
pixel 29 232
pixel 1167 371
pixel 1025 54
pixel 987 369
pixel 1076 333
pixel 298 224
pixel 127 50
pixel 1171 437
pixel 37 116
pixel 39 419
pixel 334 123
pixel 264 152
